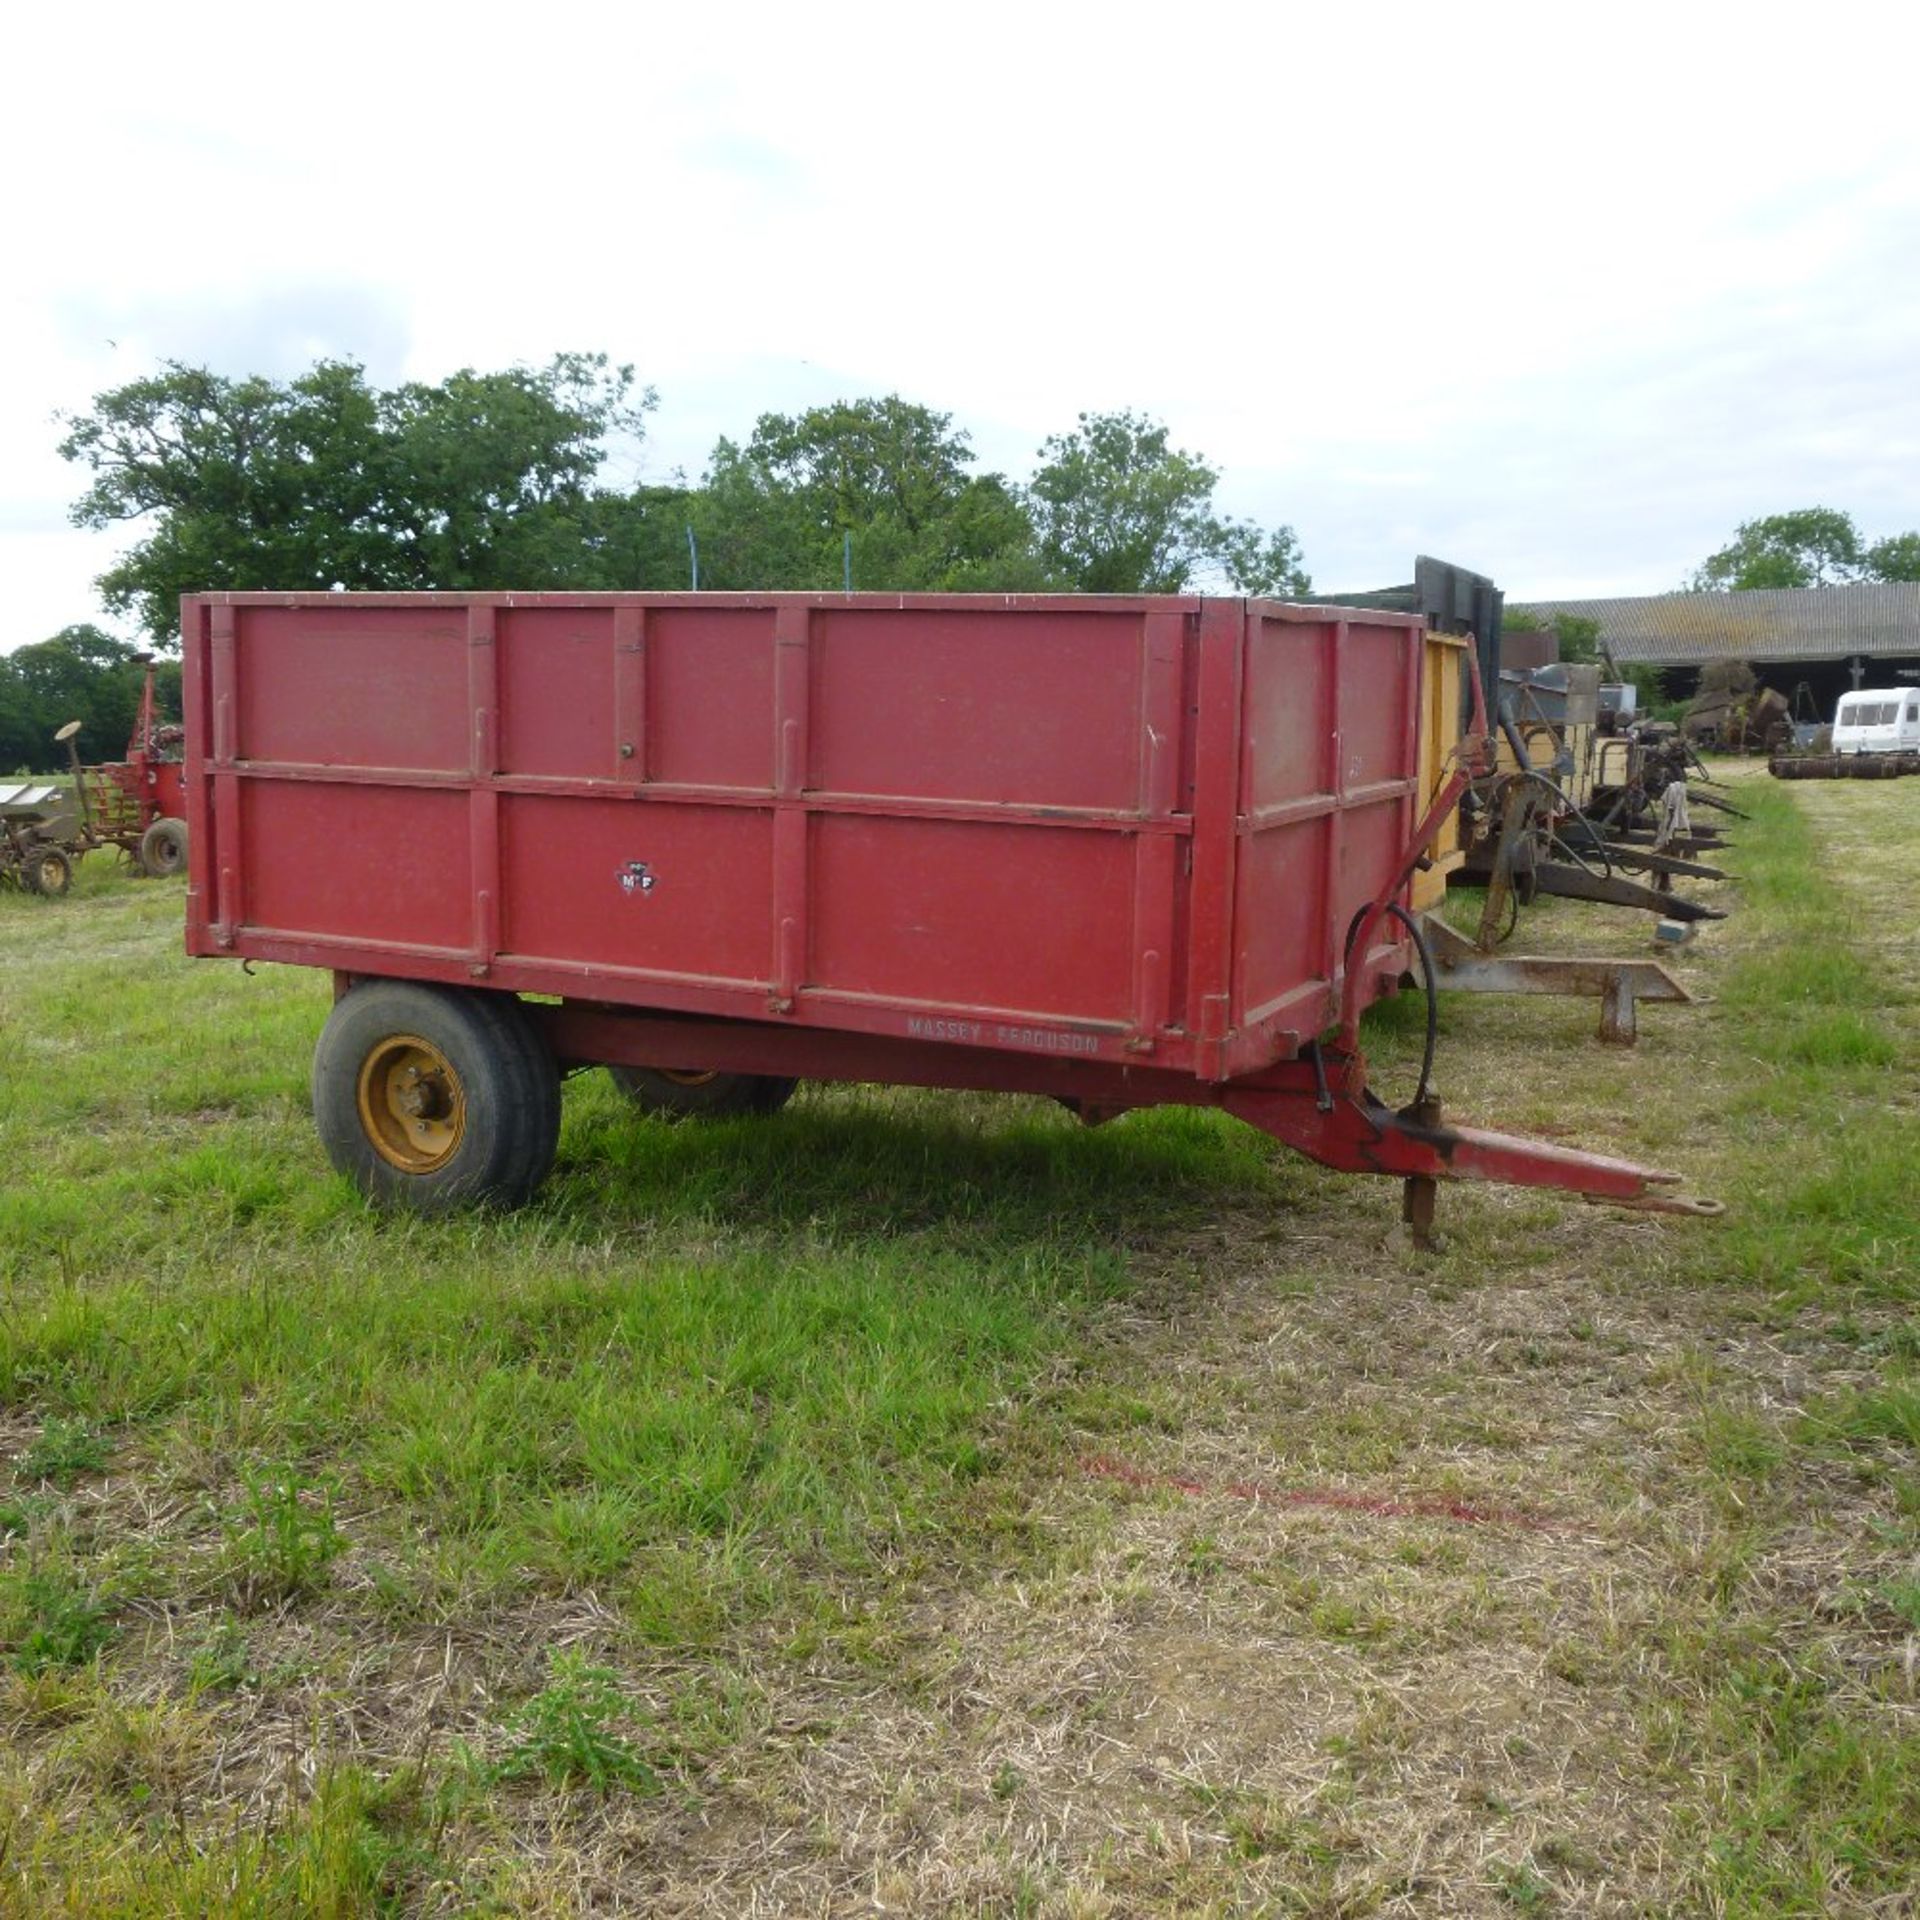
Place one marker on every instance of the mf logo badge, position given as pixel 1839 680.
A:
pixel 637 878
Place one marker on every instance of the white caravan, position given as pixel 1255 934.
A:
pixel 1887 721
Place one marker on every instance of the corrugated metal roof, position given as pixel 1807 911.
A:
pixel 1875 620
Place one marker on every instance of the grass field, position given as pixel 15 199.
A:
pixel 918 1504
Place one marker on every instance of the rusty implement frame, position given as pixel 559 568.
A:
pixel 1641 859
pixel 1519 867
pixel 1700 840
pixel 1620 984
pixel 1567 882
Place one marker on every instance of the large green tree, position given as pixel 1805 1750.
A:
pixel 496 480
pixel 894 476
pixel 1119 509
pixel 1813 547
pixel 480 480
pixel 1895 558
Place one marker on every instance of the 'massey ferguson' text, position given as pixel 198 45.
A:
pixel 990 1033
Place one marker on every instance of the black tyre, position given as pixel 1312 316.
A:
pixel 431 1098
pixel 670 1095
pixel 163 848
pixel 47 870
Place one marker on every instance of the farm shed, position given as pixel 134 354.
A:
pixel 1833 638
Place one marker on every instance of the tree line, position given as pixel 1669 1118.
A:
pixel 82 673
pixel 1809 547
pixel 501 480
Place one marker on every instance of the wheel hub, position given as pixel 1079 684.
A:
pixel 411 1103
pixel 423 1094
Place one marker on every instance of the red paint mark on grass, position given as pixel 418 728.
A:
pixel 1101 1466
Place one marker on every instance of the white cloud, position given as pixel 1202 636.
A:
pixel 1561 293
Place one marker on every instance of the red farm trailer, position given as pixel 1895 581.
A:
pixel 1119 851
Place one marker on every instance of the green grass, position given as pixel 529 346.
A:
pixel 790 1333
pixel 713 1360
pixel 359 1846
pixel 50 1618
pixel 62 1450
pixel 1828 1046
pixel 568 1733
pixel 584 1527
pixel 283 1538
pixel 1819 1799
pixel 716 1367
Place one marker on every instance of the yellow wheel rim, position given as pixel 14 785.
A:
pixel 412 1106
pixel 682 1078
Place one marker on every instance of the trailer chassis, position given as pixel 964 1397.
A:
pixel 1319 1103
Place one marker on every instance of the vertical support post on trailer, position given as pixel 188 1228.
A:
pixel 630 695
pixel 1222 642
pixel 1420 1192
pixel 194 778
pixel 1333 778
pixel 483 801
pixel 1156 848
pixel 792 694
pixel 1412 681
pixel 222 649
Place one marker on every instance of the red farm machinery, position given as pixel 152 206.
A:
pixel 137 804
pixel 1122 852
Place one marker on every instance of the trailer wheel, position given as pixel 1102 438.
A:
pixel 431 1099
pixel 669 1094
pixel 47 870
pixel 163 848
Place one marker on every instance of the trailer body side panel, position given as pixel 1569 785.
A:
pixel 1128 829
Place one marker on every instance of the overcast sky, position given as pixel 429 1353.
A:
pixel 1561 293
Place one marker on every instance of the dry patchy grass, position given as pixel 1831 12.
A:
pixel 1244 1561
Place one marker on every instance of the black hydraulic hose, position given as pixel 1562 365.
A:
pixel 1430 978
pixel 1514 740
pixel 1596 839
pixel 1323 1094
pixel 1513 917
